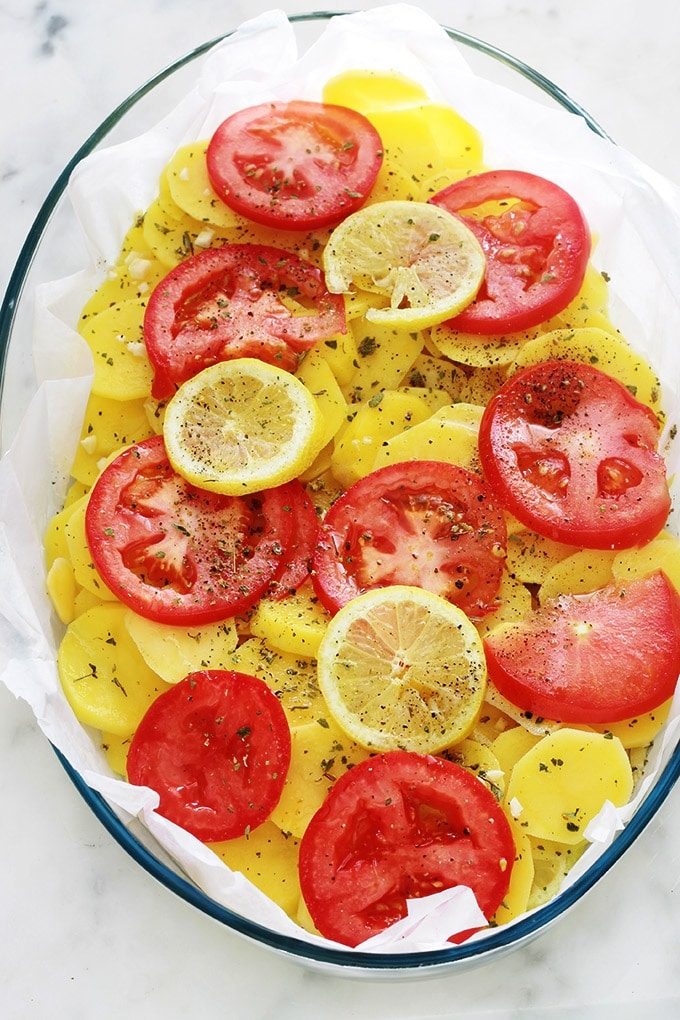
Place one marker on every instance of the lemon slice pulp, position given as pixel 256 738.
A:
pixel 402 668
pixel 424 261
pixel 241 426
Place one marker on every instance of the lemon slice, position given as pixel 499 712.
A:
pixel 425 262
pixel 241 426
pixel 402 668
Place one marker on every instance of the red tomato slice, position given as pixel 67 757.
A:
pixel 178 554
pixel 301 527
pixel 216 748
pixel 401 826
pixel 537 249
pixel 425 523
pixel 295 165
pixel 602 657
pixel 572 455
pixel 230 302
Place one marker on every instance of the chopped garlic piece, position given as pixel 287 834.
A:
pixel 515 808
pixel 138 267
pixel 89 444
pixel 204 239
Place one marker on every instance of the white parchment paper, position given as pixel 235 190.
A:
pixel 634 213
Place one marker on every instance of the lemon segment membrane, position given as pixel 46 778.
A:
pixel 241 426
pixel 424 262
pixel 402 668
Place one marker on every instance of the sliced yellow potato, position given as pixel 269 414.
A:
pixel 640 731
pixel 293 678
pixel 104 677
pixel 187 180
pixel 295 624
pixel 122 370
pixel 478 351
pixel 134 275
pixel 564 780
pixel 663 553
pixel 607 351
pixel 340 351
pixel 370 90
pixel 516 899
pixel 320 753
pixel 445 436
pixel 317 375
pixel 84 570
pixel 108 425
pixel 581 572
pixel 267 857
pixel 531 557
pixel 376 421
pixel 62 588
pixel 514 602
pixel 55 539
pixel 116 750
pixel 552 863
pixel 511 745
pixel 174 652
pixel 480 759
pixel 383 355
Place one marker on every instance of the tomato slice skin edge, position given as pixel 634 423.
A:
pixel 428 523
pixel 216 747
pixel 536 257
pixel 178 554
pixel 397 826
pixel 225 302
pixel 301 531
pixel 573 456
pixel 294 165
pixel 598 658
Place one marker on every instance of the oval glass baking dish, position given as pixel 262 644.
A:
pixel 42 260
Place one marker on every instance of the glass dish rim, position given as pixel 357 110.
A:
pixel 495 940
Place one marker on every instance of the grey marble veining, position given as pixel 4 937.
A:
pixel 86 933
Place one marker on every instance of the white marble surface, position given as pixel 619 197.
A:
pixel 85 932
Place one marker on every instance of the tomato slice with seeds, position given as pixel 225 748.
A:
pixel 236 301
pixel 401 826
pixel 601 657
pixel 536 243
pixel 572 454
pixel 295 165
pixel 216 748
pixel 425 523
pixel 178 554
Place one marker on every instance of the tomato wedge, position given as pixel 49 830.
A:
pixel 609 655
pixel 401 826
pixel 425 523
pixel 236 301
pixel 216 748
pixel 572 454
pixel 178 554
pixel 537 248
pixel 295 165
